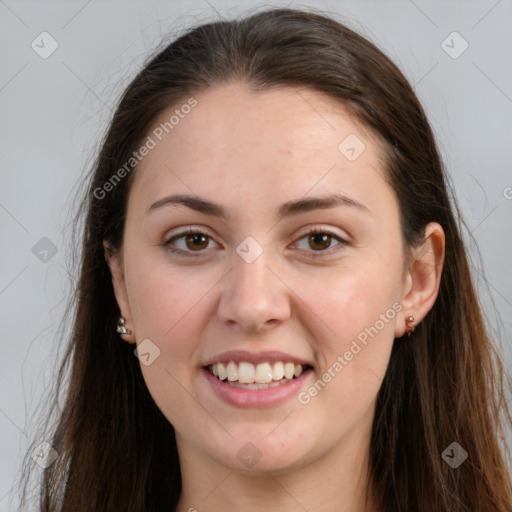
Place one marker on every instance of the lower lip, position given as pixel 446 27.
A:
pixel 240 397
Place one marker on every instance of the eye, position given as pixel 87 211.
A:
pixel 192 240
pixel 196 241
pixel 320 240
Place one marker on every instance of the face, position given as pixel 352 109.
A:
pixel 303 271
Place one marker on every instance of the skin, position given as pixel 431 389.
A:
pixel 251 152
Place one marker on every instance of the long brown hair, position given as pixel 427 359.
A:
pixel 445 384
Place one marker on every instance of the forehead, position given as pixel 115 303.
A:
pixel 284 140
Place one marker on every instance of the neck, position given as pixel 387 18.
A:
pixel 334 481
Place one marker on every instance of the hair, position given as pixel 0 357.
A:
pixel 117 451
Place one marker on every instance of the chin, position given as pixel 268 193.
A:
pixel 260 456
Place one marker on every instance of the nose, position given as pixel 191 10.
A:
pixel 254 297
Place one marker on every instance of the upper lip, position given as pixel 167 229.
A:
pixel 256 357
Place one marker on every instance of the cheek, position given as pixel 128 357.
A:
pixel 168 308
pixel 352 301
pixel 359 311
pixel 162 296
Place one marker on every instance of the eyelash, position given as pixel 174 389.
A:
pixel 198 231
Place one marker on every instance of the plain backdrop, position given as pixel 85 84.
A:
pixel 54 110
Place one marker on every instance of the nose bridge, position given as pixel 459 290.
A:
pixel 253 296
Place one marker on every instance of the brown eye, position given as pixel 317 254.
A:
pixel 319 241
pixel 192 242
pixel 196 241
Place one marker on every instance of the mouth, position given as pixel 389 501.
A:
pixel 264 375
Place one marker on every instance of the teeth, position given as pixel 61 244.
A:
pixel 278 371
pixel 245 373
pixel 221 371
pixel 232 371
pixel 289 370
pixel 263 373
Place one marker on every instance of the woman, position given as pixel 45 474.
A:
pixel 268 230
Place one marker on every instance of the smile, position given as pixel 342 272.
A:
pixel 256 376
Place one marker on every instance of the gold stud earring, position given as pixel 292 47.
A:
pixel 410 325
pixel 120 328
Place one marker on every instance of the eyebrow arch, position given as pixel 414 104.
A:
pixel 285 210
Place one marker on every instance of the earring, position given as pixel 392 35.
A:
pixel 120 328
pixel 410 327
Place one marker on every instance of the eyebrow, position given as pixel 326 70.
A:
pixel 287 209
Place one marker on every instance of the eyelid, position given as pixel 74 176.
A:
pixel 319 228
pixel 192 229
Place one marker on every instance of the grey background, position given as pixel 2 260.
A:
pixel 54 110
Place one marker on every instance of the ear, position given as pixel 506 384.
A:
pixel 115 263
pixel 423 277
